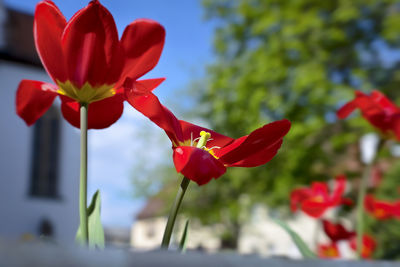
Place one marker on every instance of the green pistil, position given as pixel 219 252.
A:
pixel 204 136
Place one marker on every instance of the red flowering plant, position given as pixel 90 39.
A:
pixel 384 115
pixel 201 154
pixel 328 251
pixel 336 232
pixel 88 65
pixel 377 109
pixel 367 248
pixel 316 200
pixel 381 210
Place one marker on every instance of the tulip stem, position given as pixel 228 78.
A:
pixel 174 211
pixel 83 174
pixel 360 207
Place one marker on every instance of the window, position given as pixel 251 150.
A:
pixel 45 155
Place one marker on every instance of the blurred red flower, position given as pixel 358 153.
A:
pixel 369 245
pixel 203 164
pixel 327 251
pixel 381 209
pixel 316 200
pixel 336 231
pixel 377 109
pixel 88 63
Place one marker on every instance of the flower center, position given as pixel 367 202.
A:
pixel 379 213
pixel 318 199
pixel 204 137
pixel 331 252
pixel 87 93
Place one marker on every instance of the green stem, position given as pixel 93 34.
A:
pixel 174 211
pixel 83 175
pixel 360 207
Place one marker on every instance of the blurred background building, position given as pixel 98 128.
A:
pixel 39 166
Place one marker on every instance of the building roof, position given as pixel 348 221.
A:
pixel 18 39
pixel 154 207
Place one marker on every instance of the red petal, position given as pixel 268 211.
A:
pixel 396 126
pixel 149 105
pixel 346 110
pixel 259 158
pixel 320 190
pixel 197 164
pixel 384 102
pixel 48 26
pixel 33 99
pixel 381 210
pixel 297 196
pixel 192 131
pixel 91 47
pixel 340 186
pixel 143 86
pixel 313 208
pixel 368 246
pixel 101 114
pixel 257 141
pixel 336 232
pixel 142 41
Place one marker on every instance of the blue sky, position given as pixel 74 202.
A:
pixel 188 48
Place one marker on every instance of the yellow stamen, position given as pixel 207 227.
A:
pixel 211 151
pixel 87 93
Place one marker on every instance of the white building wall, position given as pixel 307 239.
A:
pixel 19 213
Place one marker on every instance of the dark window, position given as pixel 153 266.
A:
pixel 45 155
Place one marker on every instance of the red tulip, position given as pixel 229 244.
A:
pixel 336 232
pixel 316 200
pixel 203 164
pixel 377 109
pixel 369 245
pixel 327 251
pixel 381 209
pixel 88 63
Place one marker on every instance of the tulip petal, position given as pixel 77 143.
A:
pixel 48 27
pixel 142 41
pixel 143 86
pixel 255 142
pixel 259 158
pixel 101 114
pixel 314 208
pixel 384 102
pixel 346 110
pixel 297 196
pixel 197 164
pixel 33 99
pixel 91 47
pixel 340 186
pixel 336 232
pixel 149 105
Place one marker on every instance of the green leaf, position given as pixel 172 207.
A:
pixel 301 245
pixel 182 244
pixel 96 232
